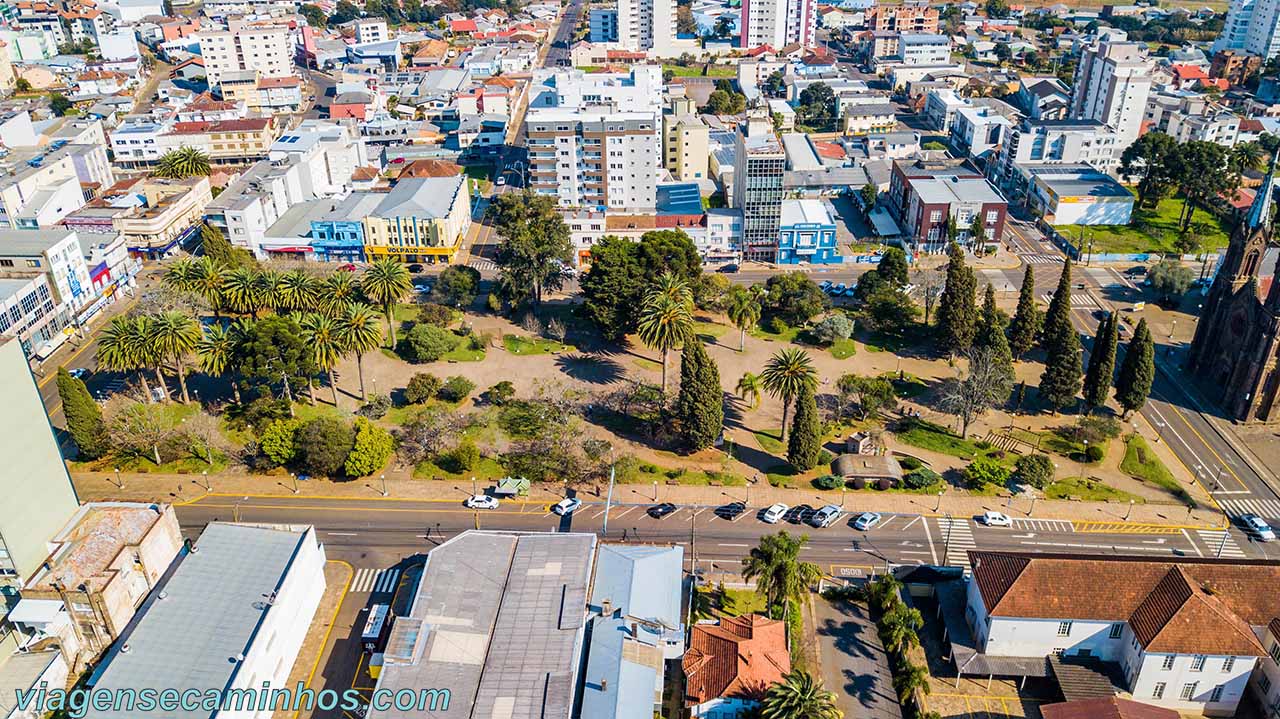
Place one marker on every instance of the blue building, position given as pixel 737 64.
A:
pixel 806 233
pixel 338 235
pixel 603 24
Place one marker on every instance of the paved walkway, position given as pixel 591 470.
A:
pixel 854 663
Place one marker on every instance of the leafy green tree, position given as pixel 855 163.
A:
pixel 278 442
pixel 1060 381
pixel 725 102
pixel 323 444
pixel 986 384
pixel 60 104
pixel 456 286
pixel 218 248
pixel 749 388
pixel 214 351
pixel 180 275
pixel 774 565
pixel 667 319
pixel 622 271
pixel 535 241
pixel 422 387
pixel 1102 363
pixel 314 15
pixel 743 309
pixel 1035 470
pixel 871 394
pixel 182 162
pixel 997 9
pixel 957 315
pixel 456 388
pixel 699 407
pixel 799 696
pixel 360 332
pixel 818 107
pixel 835 327
pixel 805 445
pixel 386 283
pixel 991 334
pixel 206 281
pixel 775 84
pixel 794 298
pixel 899 627
pixel 983 471
pixel 787 373
pixel 84 416
pixel 1171 278
pixel 889 310
pixel 1200 170
pixel 892 267
pixel 1137 371
pixel 272 353
pixel 174 336
pixel 501 393
pixel 338 291
pixel 910 681
pixel 299 291
pixel 869 194
pixel 1027 319
pixel 428 343
pixel 371 451
pixel 1147 159
pixel 242 291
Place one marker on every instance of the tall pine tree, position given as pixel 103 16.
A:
pixel 805 443
pixel 1137 372
pixel 991 336
pixel 957 315
pixel 700 405
pixel 1027 319
pixel 1060 381
pixel 1102 363
pixel 84 416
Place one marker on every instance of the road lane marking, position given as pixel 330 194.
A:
pixel 1075 545
pixel 886 522
pixel 723 544
pixel 917 519
pixel 342 534
pixel 933 554
pixel 1190 541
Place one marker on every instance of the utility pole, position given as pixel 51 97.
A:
pixel 1223 544
pixel 608 501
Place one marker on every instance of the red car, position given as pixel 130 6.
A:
pixel 347 267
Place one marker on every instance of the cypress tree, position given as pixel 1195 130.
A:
pixel 805 443
pixel 1102 363
pixel 700 405
pixel 957 316
pixel 84 416
pixel 991 336
pixel 1060 381
pixel 1137 372
pixel 1027 319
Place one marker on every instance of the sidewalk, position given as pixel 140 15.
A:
pixel 180 489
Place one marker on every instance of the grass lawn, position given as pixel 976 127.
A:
pixel 1089 490
pixel 937 438
pixel 463 353
pixel 1142 464
pixel 1058 444
pixel 914 335
pixel 708 330
pixel 635 471
pixel 769 441
pixel 844 349
pixel 1149 230
pixel 485 470
pixel 698 71
pixel 736 602
pixel 648 364
pixel 781 475
pixel 518 345
pixel 909 387
pixel 768 335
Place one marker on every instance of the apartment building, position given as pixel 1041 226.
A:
pixel 99 569
pixel 422 219
pixel 603 24
pixel 778 23
pixel 686 141
pixel 245 46
pixel 39 497
pixel 940 107
pixel 918 49
pixel 1112 81
pixel 55 253
pixel 170 213
pixel 258 198
pixel 1253 27
pixel 28 312
pixel 1185 634
pixel 647 26
pixel 1053 142
pixel 329 152
pixel 932 201
pixel 593 159
pixel 979 132
pixel 40 185
pixel 758 170
pixel 1215 124
pixel 640 89
pixel 911 18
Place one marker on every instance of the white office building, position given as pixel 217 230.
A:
pixel 1111 86
pixel 1035 143
pixel 595 160
pixel 924 49
pixel 779 23
pixel 647 26
pixel 265 49
pixel 1252 26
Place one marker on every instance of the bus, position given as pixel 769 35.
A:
pixel 377 628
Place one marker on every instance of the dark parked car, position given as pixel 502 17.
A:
pixel 731 511
pixel 658 511
pixel 727 269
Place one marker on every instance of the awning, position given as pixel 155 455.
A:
pixel 299 250
pixel 36 611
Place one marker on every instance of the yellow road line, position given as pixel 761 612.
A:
pixel 351 573
pixel 1127 528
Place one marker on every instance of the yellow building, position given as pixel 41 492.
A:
pixel 227 142
pixel 173 211
pixel 686 141
pixel 420 220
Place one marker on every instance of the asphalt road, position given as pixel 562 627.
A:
pixel 564 35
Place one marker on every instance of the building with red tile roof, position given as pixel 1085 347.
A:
pixel 730 665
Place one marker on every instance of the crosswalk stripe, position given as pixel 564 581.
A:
pixel 1078 301
pixel 957 537
pixel 1213 539
pixel 1268 508
pixel 1045 525
pixel 1041 259
pixel 387 581
pixel 481 264
pixel 373 580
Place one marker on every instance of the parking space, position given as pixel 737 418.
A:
pixel 854 663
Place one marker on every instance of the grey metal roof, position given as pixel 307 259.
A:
pixel 621 674
pixel 213 605
pixel 420 197
pixel 29 243
pixel 499 618
pixel 641 581
pixel 19 672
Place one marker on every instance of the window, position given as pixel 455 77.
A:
pixel 1117 629
pixel 1228 664
pixel 1168 662
pixel 1264 684
pixel 935 216
pixel 992 216
pixel 1197 664
pixel 1275 648
pixel 1216 694
pixel 1157 692
pixel 1188 691
pixel 1064 629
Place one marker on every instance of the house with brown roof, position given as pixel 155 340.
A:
pixel 729 666
pixel 1182 633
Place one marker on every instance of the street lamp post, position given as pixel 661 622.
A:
pixel 294 478
pixel 384 484
pixel 938 507
pixel 1084 459
pixel 205 475
pixel 1128 511
pixel 119 482
pixel 604 529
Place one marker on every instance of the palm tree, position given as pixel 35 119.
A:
pixel 744 311
pixel 669 285
pixel 214 353
pixel 299 291
pixel 385 283
pixel 360 332
pixel 337 291
pixel 910 681
pixel 899 626
pixel 325 337
pixel 175 335
pixel 1243 156
pixel 784 375
pixel 242 292
pixel 144 347
pixel 885 591
pixel 779 574
pixel 183 162
pixel 799 696
pixel 665 322
pixel 271 290
pixel 118 353
pixel 181 275
pixel 749 388
pixel 206 281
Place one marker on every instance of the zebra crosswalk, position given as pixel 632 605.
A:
pixel 482 264
pixel 957 536
pixel 1267 508
pixel 1045 525
pixel 371 580
pixel 1220 543
pixel 1041 259
pixel 1079 301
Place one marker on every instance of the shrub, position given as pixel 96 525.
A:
pixel 835 327
pixel 920 478
pixel 376 407
pixel 436 314
pixel 910 463
pixel 259 413
pixel 1094 453
pixel 278 441
pixel 465 456
pixel 422 387
pixel 456 389
pixel 501 393
pixel 828 481
pixel 777 325
pixel 983 445
pixel 427 343
pixel 323 445
pixel 1092 429
pixel 825 457
pixel 983 471
pixel 494 303
pixel 522 419
pixel 371 451
pixel 1035 470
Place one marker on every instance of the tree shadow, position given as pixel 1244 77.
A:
pixel 592 368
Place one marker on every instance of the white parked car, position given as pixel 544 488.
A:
pixel 567 505
pixel 481 501
pixel 866 520
pixel 836 290
pixel 995 519
pixel 825 517
pixel 774 513
pixel 1258 528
